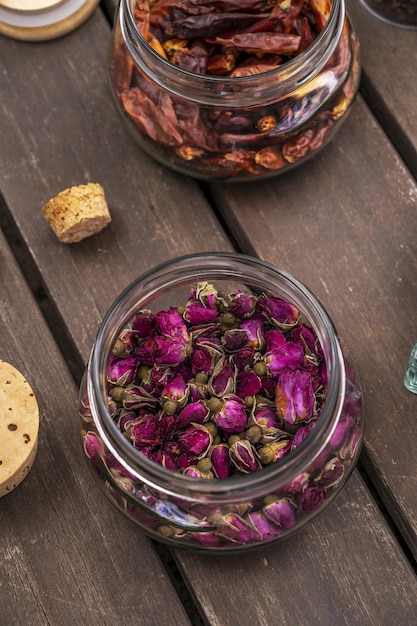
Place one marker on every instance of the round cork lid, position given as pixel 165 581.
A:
pixel 39 20
pixel 19 425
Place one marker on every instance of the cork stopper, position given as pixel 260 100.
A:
pixel 77 212
pixel 40 20
pixel 19 425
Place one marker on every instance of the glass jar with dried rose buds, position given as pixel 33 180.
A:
pixel 233 90
pixel 218 410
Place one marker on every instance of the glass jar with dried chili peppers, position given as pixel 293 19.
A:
pixel 232 89
pixel 218 410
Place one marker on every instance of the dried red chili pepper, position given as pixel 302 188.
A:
pixel 210 24
pixel 150 119
pixel 271 158
pixel 272 43
pixel 306 36
pixel 289 14
pixel 233 5
pixel 221 64
pixel 297 148
pixel 251 68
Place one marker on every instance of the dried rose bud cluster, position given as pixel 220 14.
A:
pixel 225 385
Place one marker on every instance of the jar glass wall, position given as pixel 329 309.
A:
pixel 401 13
pixel 254 122
pixel 255 505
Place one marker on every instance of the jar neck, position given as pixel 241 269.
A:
pixel 248 91
pixel 172 274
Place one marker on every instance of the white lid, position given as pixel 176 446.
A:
pixel 38 20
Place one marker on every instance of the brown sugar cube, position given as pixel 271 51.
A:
pixel 19 425
pixel 77 212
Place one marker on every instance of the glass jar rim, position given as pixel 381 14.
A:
pixel 186 270
pixel 234 91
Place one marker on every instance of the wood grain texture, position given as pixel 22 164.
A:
pixel 389 59
pixel 346 225
pixel 307 580
pixel 67 557
pixel 71 134
pixel 63 130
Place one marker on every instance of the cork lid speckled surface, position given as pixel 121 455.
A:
pixel 19 425
pixel 39 20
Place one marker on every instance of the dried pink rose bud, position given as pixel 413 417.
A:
pixel 232 416
pixel 268 387
pixel 265 528
pixel 220 460
pixel 223 378
pixel 247 384
pixel 196 439
pixel 192 471
pixel 341 431
pixel 134 397
pixel 279 312
pixel 195 412
pixel 171 324
pixel 112 406
pixel 274 339
pixel 301 434
pixel 312 499
pixel 255 332
pixel 201 360
pixel 234 340
pixel 146 430
pixel 236 529
pixel 268 422
pixel 274 451
pixel 163 457
pixel 305 336
pixel 208 539
pixel 125 343
pixel 126 419
pixel 243 359
pixel 348 449
pixel 298 484
pixel 197 313
pixel 294 398
pixel 290 355
pixel 281 512
pixel 331 474
pixel 161 350
pixel 92 445
pixel 176 390
pixel 244 456
pixel 186 459
pixel 242 305
pixel 121 372
pixel 144 323
pixel 153 379
pixel 169 351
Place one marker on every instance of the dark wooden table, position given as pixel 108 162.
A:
pixel 345 224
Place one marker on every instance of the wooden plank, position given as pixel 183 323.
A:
pixel 307 579
pixel 157 214
pixel 67 556
pixel 389 59
pixel 345 224
pixel 62 129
